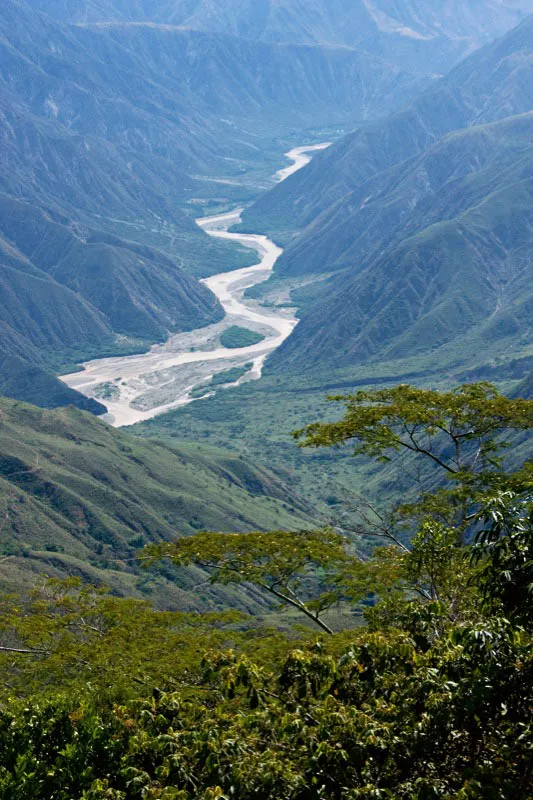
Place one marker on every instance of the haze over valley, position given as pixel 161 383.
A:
pixel 115 138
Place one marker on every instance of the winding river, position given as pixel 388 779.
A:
pixel 140 387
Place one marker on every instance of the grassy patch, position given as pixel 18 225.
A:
pixel 231 375
pixel 236 337
pixel 80 498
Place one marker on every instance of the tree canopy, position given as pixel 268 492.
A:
pixel 427 692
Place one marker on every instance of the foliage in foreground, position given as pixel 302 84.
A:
pixel 432 698
pixel 390 718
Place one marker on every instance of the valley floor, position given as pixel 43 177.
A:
pixel 140 387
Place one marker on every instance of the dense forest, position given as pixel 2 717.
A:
pixel 401 672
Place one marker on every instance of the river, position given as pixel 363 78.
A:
pixel 140 387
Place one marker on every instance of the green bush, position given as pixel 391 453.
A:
pixel 236 337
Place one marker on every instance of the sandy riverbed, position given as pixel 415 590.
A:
pixel 137 388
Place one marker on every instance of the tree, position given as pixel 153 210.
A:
pixel 431 699
pixel 391 717
pixel 504 551
pixel 70 635
pixel 279 563
pixel 460 433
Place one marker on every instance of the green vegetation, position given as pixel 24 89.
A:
pixel 106 391
pixel 200 391
pixel 457 432
pixel 259 417
pixel 235 337
pixel 222 378
pixel 78 498
pixel 430 697
pixel 231 375
pixel 374 639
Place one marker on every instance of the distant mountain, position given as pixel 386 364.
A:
pixel 425 221
pixel 418 34
pixel 107 130
pixel 78 498
pixel 458 273
pixel 492 84
pixel 152 95
pixel 139 292
pixel 117 125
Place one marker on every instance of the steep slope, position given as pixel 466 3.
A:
pixel 404 199
pixel 69 294
pixel 492 84
pixel 429 236
pixel 462 284
pixel 43 315
pixel 139 292
pixel 20 379
pixel 40 320
pixel 79 498
pixel 525 389
pixel 420 33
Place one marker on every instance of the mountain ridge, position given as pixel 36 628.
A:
pixel 78 497
pixel 417 226
pixel 444 108
pixel 411 33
